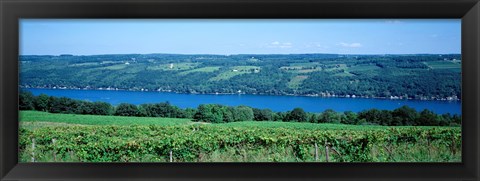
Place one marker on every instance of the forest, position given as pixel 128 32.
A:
pixel 418 76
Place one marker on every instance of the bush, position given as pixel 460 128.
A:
pixel 297 115
pixel 26 100
pixel 126 109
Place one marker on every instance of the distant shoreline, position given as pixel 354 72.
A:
pixel 242 93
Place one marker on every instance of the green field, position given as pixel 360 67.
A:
pixel 44 119
pixel 203 69
pixel 87 138
pixel 115 67
pixel 36 116
pixel 296 81
pixel 234 71
pixel 443 65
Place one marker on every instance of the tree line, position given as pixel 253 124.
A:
pixel 215 113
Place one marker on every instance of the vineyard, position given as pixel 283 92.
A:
pixel 219 143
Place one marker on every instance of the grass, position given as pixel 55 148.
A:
pixel 83 64
pixel 443 65
pixel 337 67
pixel 37 124
pixel 38 119
pixel 54 119
pixel 296 81
pixel 203 69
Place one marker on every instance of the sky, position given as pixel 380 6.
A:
pixel 225 37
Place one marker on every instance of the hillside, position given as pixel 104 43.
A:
pixel 391 76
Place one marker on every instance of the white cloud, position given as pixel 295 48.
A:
pixel 277 44
pixel 350 45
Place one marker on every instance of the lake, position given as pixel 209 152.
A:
pixel 275 103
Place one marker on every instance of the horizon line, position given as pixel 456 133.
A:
pixel 240 54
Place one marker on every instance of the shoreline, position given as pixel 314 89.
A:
pixel 241 93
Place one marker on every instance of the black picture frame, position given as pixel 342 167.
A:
pixel 12 10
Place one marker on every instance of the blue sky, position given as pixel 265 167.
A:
pixel 376 36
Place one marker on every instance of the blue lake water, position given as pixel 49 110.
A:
pixel 275 103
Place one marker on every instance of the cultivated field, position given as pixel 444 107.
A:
pixel 46 137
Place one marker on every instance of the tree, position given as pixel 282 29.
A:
pixel 63 105
pixel 385 117
pixel 297 115
pixel 427 118
pixel 243 113
pixel 457 119
pixel 406 115
pixel 349 118
pixel 209 113
pixel 329 116
pixel 26 100
pixel 102 108
pixel 313 118
pixel 41 102
pixel 85 108
pixel 227 113
pixel 126 109
pixel 262 114
pixel 279 116
pixel 190 112
pixel 372 116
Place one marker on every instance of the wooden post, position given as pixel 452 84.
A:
pixel 54 152
pixel 454 150
pixel 326 151
pixel 316 151
pixel 171 156
pixel 71 155
pixel 33 149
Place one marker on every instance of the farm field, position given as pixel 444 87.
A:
pixel 37 116
pixel 88 138
pixel 443 65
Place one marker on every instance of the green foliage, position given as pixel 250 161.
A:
pixel 188 143
pixel 162 110
pixel 349 117
pixel 126 109
pixel 42 102
pixel 242 113
pixel 329 116
pixel 215 113
pixel 427 118
pixel 38 117
pixel 407 115
pixel 407 76
pixel 263 114
pixel 297 115
pixel 26 101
